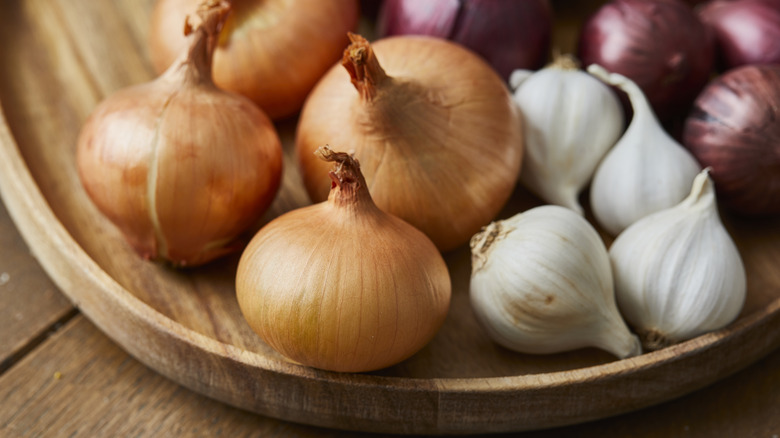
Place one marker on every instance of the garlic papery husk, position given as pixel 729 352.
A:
pixel 541 283
pixel 646 171
pixel 572 119
pixel 678 273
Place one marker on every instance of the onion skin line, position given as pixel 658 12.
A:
pixel 151 182
pixel 210 16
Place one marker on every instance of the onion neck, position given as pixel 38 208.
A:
pixel 348 186
pixel 363 67
pixel 193 66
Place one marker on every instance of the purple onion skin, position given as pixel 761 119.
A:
pixel 734 128
pixel 432 18
pixel 660 44
pixel 746 31
pixel 509 34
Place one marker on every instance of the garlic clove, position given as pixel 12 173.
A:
pixel 572 119
pixel 646 171
pixel 678 273
pixel 541 283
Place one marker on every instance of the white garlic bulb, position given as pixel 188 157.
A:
pixel 678 273
pixel 541 283
pixel 646 171
pixel 571 120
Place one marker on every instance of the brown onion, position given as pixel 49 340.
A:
pixel 746 31
pixel 434 127
pixel 509 34
pixel 341 285
pixel 272 51
pixel 661 45
pixel 178 165
pixel 734 128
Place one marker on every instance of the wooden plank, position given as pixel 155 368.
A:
pixel 29 302
pixel 79 383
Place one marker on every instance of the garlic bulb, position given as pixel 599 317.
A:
pixel 572 119
pixel 645 172
pixel 541 283
pixel 677 272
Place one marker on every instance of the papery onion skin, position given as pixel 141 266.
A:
pixel 341 285
pixel 179 166
pixel 272 51
pixel 746 31
pixel 734 128
pixel 440 147
pixel 659 44
pixel 509 34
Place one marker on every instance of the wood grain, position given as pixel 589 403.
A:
pixel 32 303
pixel 82 384
pixel 67 55
pixel 79 383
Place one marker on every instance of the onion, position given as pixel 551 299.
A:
pixel 661 45
pixel 746 31
pixel 341 285
pixel 440 146
pixel 509 34
pixel 734 128
pixel 272 51
pixel 180 166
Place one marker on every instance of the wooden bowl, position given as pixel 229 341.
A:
pixel 61 58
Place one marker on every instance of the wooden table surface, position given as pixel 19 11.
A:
pixel 60 376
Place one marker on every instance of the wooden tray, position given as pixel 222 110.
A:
pixel 60 58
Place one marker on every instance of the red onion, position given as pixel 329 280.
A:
pixel 661 45
pixel 746 31
pixel 509 34
pixel 734 128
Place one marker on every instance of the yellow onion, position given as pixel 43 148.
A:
pixel 272 51
pixel 178 165
pixel 434 127
pixel 341 285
